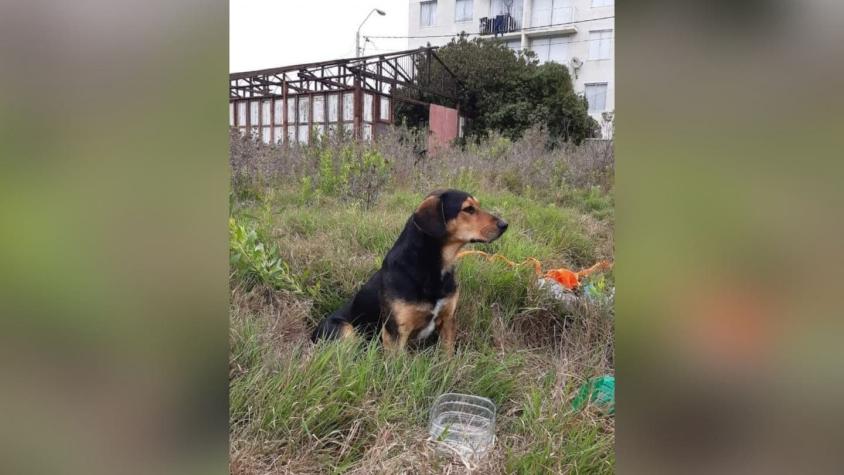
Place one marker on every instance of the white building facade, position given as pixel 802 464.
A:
pixel 579 34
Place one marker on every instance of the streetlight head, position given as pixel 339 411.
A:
pixel 380 12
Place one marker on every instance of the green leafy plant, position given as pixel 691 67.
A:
pixel 306 189
pixel 255 263
pixel 367 175
pixel 329 180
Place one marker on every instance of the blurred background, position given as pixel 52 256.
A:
pixel 113 251
pixel 728 246
pixel 113 242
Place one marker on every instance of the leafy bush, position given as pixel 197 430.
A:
pixel 503 91
pixel 355 172
pixel 252 262
pixel 368 174
pixel 332 180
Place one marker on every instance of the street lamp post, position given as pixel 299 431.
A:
pixel 357 35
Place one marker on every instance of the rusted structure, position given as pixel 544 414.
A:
pixel 287 104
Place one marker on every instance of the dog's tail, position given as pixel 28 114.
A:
pixel 331 328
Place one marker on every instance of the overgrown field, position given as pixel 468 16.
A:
pixel 309 225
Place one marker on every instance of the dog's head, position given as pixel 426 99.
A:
pixel 456 216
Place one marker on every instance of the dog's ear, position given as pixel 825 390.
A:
pixel 429 216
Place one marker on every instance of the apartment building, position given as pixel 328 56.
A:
pixel 576 33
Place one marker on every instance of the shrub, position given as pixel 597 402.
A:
pixel 332 180
pixel 253 262
pixel 368 174
pixel 503 91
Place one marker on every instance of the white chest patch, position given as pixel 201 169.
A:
pixel 426 332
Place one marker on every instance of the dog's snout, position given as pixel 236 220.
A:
pixel 502 225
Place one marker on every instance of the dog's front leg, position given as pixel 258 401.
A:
pixel 395 342
pixel 404 335
pixel 448 329
pixel 388 340
pixel 403 319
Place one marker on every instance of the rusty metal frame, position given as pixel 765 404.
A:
pixel 375 74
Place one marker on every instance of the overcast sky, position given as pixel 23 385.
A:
pixel 270 33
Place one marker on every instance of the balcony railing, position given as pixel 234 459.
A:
pixel 540 20
pixel 498 25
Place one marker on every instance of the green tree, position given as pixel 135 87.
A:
pixel 501 90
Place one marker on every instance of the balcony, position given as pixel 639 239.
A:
pixel 498 25
pixel 558 21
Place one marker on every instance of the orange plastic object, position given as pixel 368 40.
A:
pixel 565 277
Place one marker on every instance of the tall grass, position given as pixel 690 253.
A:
pixel 346 407
pixel 358 171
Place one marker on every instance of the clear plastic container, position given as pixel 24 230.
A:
pixel 464 423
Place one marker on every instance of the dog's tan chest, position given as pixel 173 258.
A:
pixel 422 319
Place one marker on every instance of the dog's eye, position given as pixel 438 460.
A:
pixel 469 209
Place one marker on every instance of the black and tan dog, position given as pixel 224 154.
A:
pixel 413 296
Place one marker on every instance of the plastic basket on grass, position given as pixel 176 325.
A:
pixel 464 424
pixel 600 391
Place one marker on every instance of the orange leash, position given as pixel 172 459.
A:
pixel 565 277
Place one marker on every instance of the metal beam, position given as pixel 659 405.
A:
pixel 371 73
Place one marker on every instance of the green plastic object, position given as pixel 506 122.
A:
pixel 600 390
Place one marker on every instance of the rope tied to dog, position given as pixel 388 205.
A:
pixel 567 278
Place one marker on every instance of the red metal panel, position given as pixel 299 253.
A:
pixel 442 127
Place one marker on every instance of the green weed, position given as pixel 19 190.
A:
pixel 253 262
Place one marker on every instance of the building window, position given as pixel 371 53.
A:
pixel 602 3
pixel 278 111
pixel 367 107
pixel 499 7
pixel 266 112
pixel 596 95
pixel 304 109
pixel 254 110
pixel 428 13
pixel 384 109
pixel 540 47
pixel 464 10
pixel 551 12
pixel 241 113
pixel 319 109
pixel 348 106
pixel 551 49
pixel 333 108
pixel 600 44
pixel 291 110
